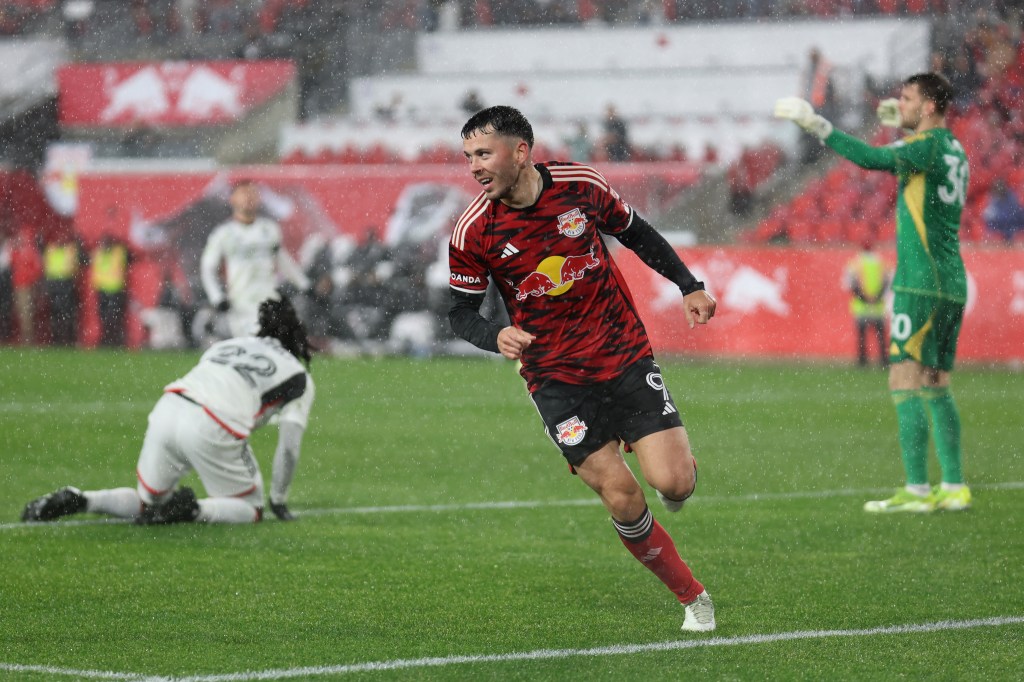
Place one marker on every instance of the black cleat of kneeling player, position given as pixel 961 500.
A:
pixel 180 507
pixel 282 512
pixel 54 505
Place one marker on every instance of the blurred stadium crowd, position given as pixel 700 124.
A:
pixel 334 43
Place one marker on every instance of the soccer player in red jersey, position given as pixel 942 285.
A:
pixel 535 230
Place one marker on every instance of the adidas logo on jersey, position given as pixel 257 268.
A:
pixel 669 409
pixel 509 250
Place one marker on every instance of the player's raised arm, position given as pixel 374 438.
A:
pixel 801 112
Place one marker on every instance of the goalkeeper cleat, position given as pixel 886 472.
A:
pixel 952 500
pixel 700 614
pixel 59 503
pixel 902 501
pixel 180 507
pixel 281 511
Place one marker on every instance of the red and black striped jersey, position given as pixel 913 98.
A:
pixel 556 275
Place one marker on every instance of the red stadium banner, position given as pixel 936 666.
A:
pixel 773 302
pixel 791 303
pixel 167 93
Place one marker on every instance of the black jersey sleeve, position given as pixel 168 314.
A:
pixel 654 250
pixel 467 322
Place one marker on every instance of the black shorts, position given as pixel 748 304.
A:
pixel 582 419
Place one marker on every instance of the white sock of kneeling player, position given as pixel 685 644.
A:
pixel 226 510
pixel 121 502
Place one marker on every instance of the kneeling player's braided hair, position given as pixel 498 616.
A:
pixel 279 320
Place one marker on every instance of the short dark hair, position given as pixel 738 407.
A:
pixel 279 320
pixel 934 87
pixel 501 120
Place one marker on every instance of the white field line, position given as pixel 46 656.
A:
pixel 536 655
pixel 67 408
pixel 532 504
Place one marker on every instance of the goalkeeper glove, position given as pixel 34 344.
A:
pixel 889 113
pixel 801 112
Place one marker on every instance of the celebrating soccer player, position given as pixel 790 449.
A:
pixel 930 284
pixel 535 231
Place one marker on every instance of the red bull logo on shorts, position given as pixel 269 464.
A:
pixel 555 275
pixel 572 223
pixel 571 431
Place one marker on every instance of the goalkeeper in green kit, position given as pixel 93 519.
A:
pixel 930 285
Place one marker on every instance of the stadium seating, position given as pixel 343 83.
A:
pixel 862 202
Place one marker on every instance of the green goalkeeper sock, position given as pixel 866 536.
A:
pixel 912 419
pixel 946 431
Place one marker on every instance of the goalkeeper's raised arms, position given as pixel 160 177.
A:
pixel 888 112
pixel 801 112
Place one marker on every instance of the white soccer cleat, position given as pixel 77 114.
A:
pixel 700 614
pixel 670 504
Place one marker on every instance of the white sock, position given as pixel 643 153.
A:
pixel 121 502
pixel 226 510
pixel 921 490
pixel 952 487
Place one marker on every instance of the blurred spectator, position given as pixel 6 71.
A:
pixel 62 259
pixel 710 154
pixel 616 135
pixel 819 90
pixel 741 185
pixel 221 17
pixel 867 280
pixel 388 113
pixel 6 291
pixel 255 45
pixel 471 103
pixel 26 271
pixel 110 261
pixel 963 75
pixel 1004 213
pixel 139 140
pixel 579 144
pixel 170 323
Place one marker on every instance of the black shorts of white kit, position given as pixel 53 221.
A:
pixel 582 419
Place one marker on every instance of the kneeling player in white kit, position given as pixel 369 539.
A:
pixel 203 422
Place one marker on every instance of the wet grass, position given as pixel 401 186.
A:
pixel 788 453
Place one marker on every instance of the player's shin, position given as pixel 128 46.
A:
pixel 946 432
pixel 912 419
pixel 227 510
pixel 653 547
pixel 121 502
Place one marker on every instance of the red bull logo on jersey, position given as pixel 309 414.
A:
pixel 571 431
pixel 555 275
pixel 572 223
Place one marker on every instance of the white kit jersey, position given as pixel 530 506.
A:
pixel 253 256
pixel 243 382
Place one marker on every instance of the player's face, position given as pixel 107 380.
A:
pixel 496 162
pixel 245 202
pixel 912 106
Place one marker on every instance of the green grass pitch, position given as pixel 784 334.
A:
pixel 403 559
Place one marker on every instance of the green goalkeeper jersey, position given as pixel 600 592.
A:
pixel 932 172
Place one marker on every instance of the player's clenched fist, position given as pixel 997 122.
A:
pixel 699 307
pixel 512 341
